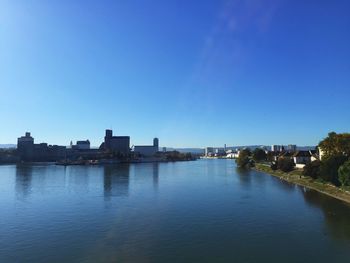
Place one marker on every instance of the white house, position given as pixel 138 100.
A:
pixel 301 158
pixel 233 155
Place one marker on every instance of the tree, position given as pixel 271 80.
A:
pixel 285 164
pixel 259 155
pixel 243 158
pixel 344 174
pixel 329 168
pixel 312 169
pixel 270 156
pixel 336 144
pixel 189 156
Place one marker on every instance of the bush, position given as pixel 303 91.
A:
pixel 344 174
pixel 329 168
pixel 273 166
pixel 285 164
pixel 312 169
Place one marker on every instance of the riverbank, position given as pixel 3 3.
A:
pixel 297 178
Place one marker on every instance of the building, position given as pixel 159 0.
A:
pixel 276 148
pixel 314 155
pixel 301 158
pixel 41 152
pixel 116 144
pixel 209 151
pixel 292 148
pixel 82 145
pixel 25 146
pixel 147 150
pixel 233 154
pixel 220 152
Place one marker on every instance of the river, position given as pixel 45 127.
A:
pixel 198 211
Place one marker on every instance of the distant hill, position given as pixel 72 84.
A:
pixel 187 150
pixel 306 148
pixel 6 146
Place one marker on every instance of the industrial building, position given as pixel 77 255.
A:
pixel 116 144
pixel 147 150
pixel 82 145
pixel 42 152
pixel 113 147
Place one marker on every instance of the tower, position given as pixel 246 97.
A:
pixel 108 137
pixel 156 143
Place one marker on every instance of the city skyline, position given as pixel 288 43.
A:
pixel 132 145
pixel 240 73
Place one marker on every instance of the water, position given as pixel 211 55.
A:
pixel 202 211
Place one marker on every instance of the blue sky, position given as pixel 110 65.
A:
pixel 193 73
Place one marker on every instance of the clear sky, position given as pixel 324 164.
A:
pixel 193 73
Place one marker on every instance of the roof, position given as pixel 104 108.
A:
pixel 302 154
pixel 83 142
pixel 286 154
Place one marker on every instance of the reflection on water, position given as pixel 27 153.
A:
pixel 23 180
pixel 336 213
pixel 116 180
pixel 155 167
pixel 151 212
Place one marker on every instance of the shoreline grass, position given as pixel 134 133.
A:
pixel 297 178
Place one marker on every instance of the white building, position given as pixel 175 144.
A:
pixel 209 151
pixel 301 158
pixel 82 145
pixel 233 155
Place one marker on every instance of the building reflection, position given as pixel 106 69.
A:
pixel 336 213
pixel 155 175
pixel 23 179
pixel 116 180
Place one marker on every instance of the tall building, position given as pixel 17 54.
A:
pixel 29 151
pixel 276 148
pixel 209 151
pixel 147 150
pixel 292 148
pixel 117 144
pixel 25 146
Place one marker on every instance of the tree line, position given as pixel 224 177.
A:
pixel 334 167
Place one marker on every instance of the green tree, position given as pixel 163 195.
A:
pixel 312 169
pixel 344 174
pixel 336 144
pixel 270 156
pixel 243 158
pixel 259 155
pixel 285 164
pixel 329 168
